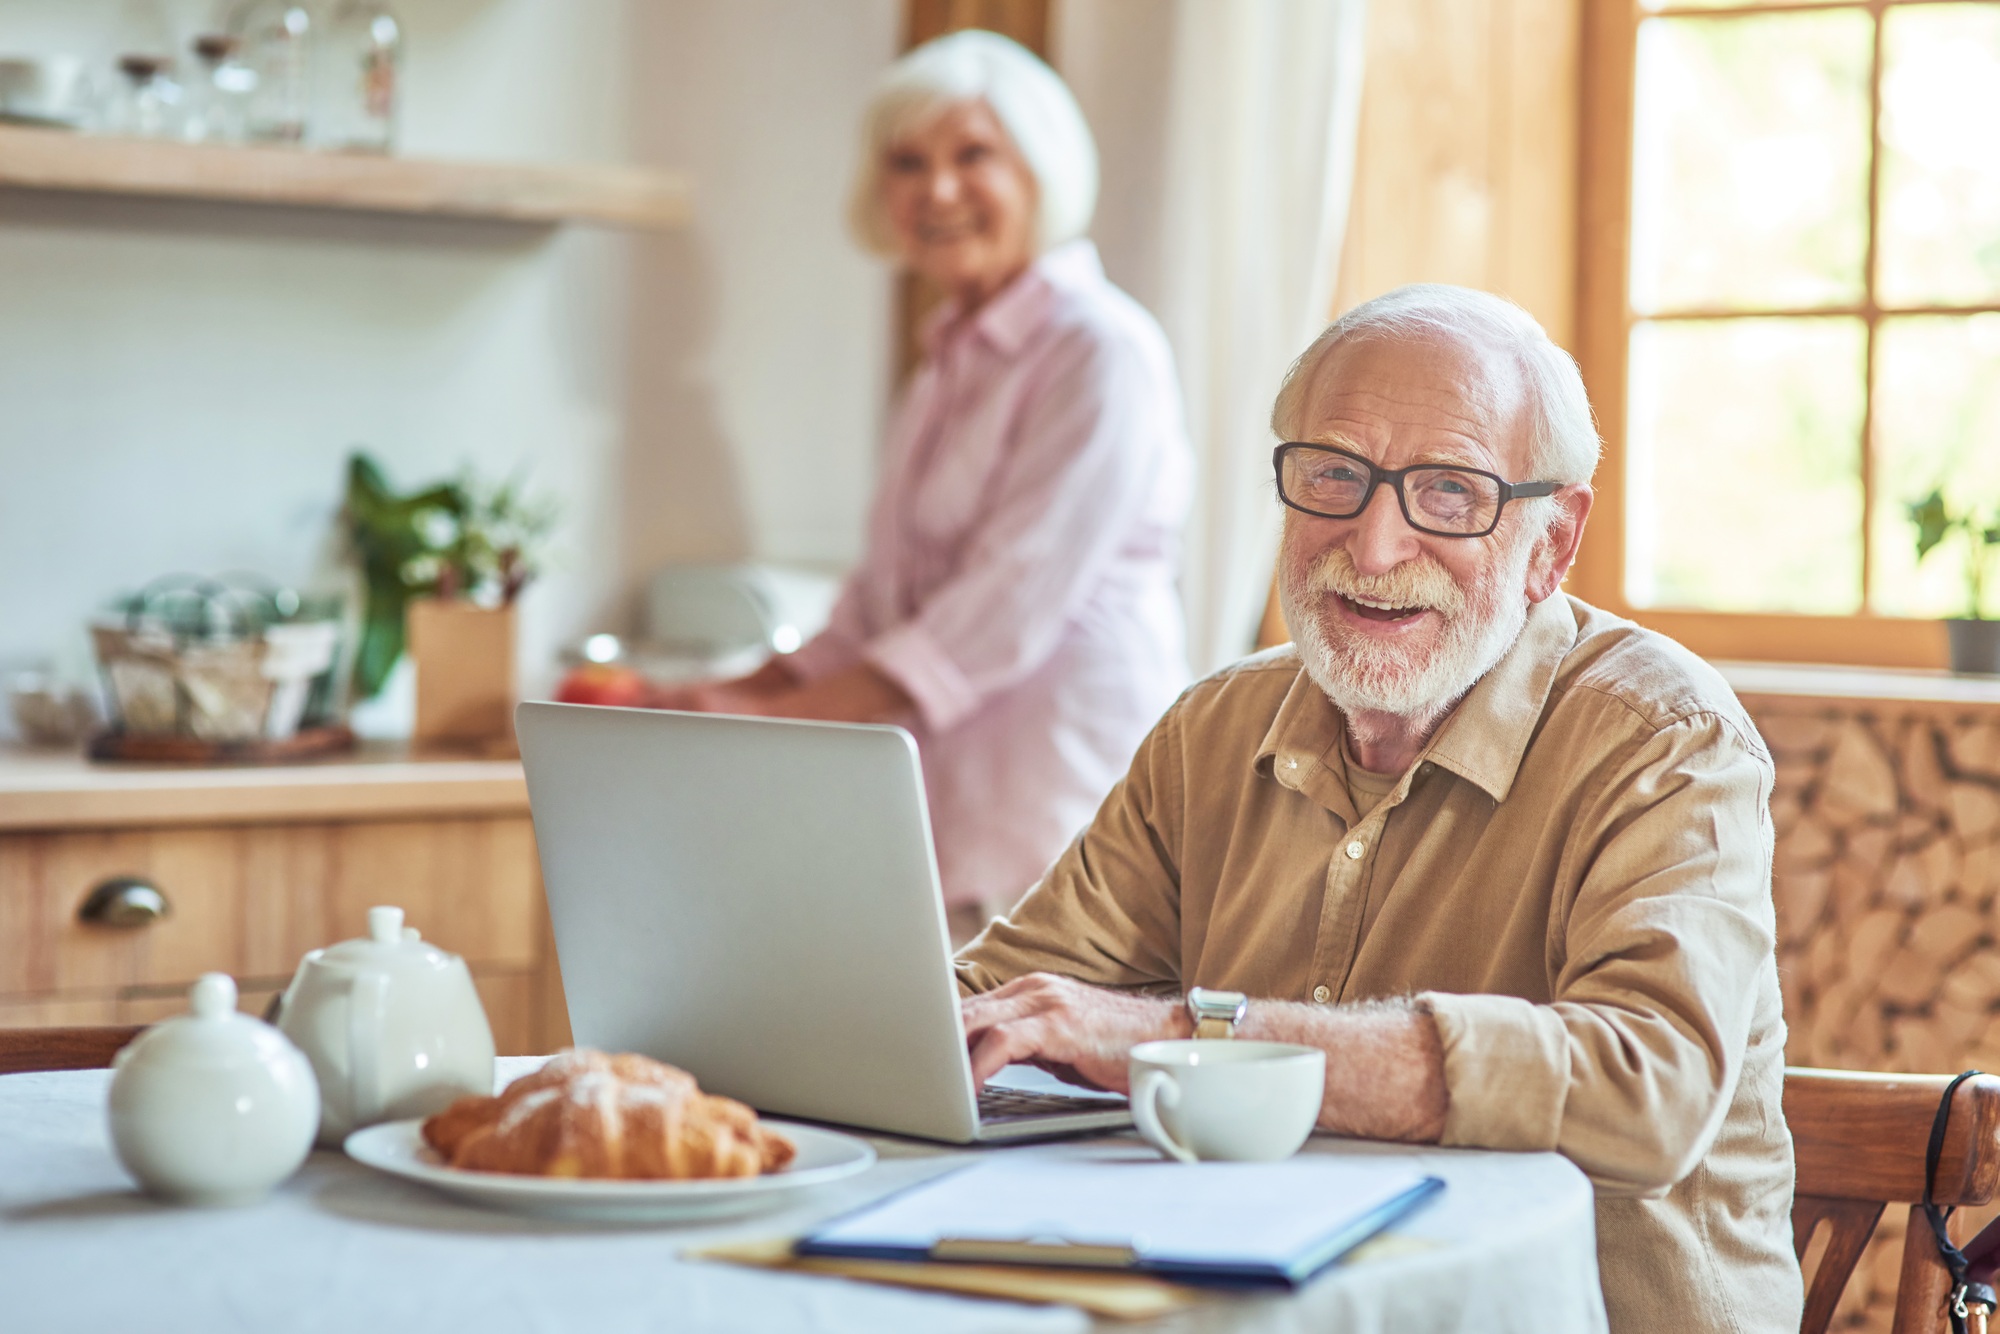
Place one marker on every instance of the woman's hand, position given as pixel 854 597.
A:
pixel 745 694
pixel 860 694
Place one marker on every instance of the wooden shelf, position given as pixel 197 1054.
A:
pixel 617 196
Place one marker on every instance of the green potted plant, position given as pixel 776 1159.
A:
pixel 443 567
pixel 1975 640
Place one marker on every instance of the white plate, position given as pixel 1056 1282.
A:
pixel 398 1148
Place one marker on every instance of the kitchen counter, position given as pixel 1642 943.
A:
pixel 59 789
pixel 253 865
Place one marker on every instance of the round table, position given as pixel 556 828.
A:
pixel 1508 1246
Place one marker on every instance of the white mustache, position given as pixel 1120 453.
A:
pixel 1419 582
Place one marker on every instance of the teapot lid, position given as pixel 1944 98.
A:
pixel 212 1035
pixel 388 943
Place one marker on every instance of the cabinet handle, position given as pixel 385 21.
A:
pixel 124 901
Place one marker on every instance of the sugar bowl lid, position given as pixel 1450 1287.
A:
pixel 212 1035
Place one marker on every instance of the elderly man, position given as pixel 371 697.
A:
pixel 1504 857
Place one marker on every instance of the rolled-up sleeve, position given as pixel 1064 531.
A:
pixel 1090 446
pixel 1630 1068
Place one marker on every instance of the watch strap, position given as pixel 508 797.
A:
pixel 1216 1013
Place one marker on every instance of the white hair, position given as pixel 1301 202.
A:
pixel 1562 436
pixel 1031 102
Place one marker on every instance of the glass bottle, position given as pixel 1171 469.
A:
pixel 277 38
pixel 148 107
pixel 147 103
pixel 361 65
pixel 218 97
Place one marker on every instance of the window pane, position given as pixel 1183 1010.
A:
pixel 1937 421
pixel 1744 465
pixel 1750 161
pixel 1940 169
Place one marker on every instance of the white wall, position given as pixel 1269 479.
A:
pixel 180 383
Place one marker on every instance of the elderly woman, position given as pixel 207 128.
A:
pixel 1015 606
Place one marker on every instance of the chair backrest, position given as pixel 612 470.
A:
pixel 1860 1141
pixel 26 1049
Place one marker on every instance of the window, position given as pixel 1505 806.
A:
pixel 1790 314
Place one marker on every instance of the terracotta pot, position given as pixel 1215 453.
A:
pixel 464 656
pixel 1975 646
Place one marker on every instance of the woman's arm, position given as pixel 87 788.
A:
pixel 857 694
pixel 768 682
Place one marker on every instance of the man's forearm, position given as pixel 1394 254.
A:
pixel 1384 1064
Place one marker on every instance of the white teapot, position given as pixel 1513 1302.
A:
pixel 392 1025
pixel 212 1107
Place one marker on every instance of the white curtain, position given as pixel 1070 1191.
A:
pixel 1227 130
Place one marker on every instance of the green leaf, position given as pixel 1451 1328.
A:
pixel 1932 521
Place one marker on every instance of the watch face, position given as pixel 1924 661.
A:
pixel 1224 1005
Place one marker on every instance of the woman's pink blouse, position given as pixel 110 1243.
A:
pixel 1019 577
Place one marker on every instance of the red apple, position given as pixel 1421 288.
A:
pixel 603 683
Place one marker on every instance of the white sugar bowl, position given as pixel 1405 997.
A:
pixel 212 1107
pixel 392 1025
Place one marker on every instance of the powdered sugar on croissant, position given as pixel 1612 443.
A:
pixel 589 1114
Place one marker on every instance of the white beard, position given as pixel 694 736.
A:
pixel 1363 675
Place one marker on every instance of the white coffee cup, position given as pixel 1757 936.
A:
pixel 1218 1100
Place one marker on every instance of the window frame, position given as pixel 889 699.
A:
pixel 1605 321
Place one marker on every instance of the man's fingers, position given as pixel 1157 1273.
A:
pixel 1003 1005
pixel 999 1048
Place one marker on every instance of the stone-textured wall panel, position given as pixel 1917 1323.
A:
pixel 1885 873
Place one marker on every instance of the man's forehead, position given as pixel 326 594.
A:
pixel 1439 390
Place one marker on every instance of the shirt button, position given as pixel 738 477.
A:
pixel 1354 850
pixel 1322 995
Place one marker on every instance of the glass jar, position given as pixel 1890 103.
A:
pixel 149 105
pixel 360 65
pixel 277 39
pixel 218 96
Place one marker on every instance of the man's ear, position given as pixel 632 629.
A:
pixel 1556 550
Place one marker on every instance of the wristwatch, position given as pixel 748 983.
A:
pixel 1216 1013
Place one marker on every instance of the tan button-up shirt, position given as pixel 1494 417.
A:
pixel 1574 878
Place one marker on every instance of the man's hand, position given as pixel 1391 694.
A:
pixel 1079 1033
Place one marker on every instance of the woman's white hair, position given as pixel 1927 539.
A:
pixel 1562 444
pixel 1030 100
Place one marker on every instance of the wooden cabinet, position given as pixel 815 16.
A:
pixel 257 867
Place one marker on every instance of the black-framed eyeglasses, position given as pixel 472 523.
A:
pixel 1444 501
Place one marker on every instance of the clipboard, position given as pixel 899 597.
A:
pixel 1234 1224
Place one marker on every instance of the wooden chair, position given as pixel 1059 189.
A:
pixel 1860 1141
pixel 25 1049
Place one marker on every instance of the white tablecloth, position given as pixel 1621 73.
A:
pixel 1509 1246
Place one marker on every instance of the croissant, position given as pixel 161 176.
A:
pixel 589 1114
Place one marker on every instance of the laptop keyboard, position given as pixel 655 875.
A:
pixel 1001 1104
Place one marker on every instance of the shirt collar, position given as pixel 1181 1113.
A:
pixel 1024 305
pixel 1487 735
pixel 1483 740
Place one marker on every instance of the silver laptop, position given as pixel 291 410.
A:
pixel 757 902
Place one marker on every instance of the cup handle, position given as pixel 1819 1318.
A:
pixel 366 1009
pixel 1151 1088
